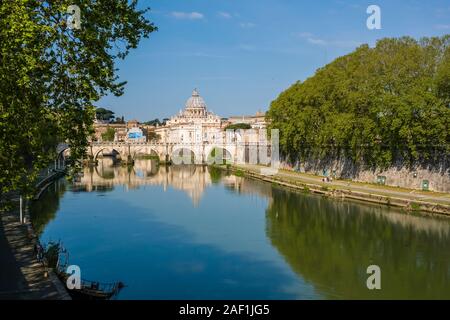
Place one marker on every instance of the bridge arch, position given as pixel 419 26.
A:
pixel 219 154
pixel 96 154
pixel 63 152
pixel 60 161
pixel 184 155
pixel 146 151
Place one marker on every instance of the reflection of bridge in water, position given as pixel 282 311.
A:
pixel 191 179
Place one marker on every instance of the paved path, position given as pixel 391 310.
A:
pixel 411 195
pixel 22 276
pixel 11 278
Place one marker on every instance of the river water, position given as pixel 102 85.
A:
pixel 187 232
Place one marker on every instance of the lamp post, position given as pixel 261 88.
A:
pixel 21 209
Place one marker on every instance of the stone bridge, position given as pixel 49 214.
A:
pixel 182 153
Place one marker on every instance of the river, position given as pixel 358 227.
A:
pixel 192 232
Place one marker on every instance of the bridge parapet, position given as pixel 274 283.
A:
pixel 235 151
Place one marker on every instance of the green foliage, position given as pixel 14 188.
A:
pixel 239 173
pixel 415 206
pixel 237 126
pixel 154 122
pixel 104 114
pixel 119 120
pixel 153 136
pixel 44 210
pixel 318 238
pixel 109 134
pixel 215 173
pixel 147 157
pixel 374 106
pixel 51 75
pixel 51 254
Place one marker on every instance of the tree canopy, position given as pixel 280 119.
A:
pixel 154 122
pixel 109 134
pixel 51 75
pixel 374 105
pixel 104 114
pixel 237 126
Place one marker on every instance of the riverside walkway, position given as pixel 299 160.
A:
pixel 22 276
pixel 385 193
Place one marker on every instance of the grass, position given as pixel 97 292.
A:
pixel 147 157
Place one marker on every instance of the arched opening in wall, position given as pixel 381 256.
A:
pixel 219 156
pixel 111 154
pixel 62 158
pixel 183 156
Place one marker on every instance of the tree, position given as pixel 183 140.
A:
pixel 119 120
pixel 154 122
pixel 153 136
pixel 236 126
pixel 51 75
pixel 374 106
pixel 109 134
pixel 104 114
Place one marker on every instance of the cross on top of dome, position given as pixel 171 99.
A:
pixel 195 93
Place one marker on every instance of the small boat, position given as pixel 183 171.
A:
pixel 89 290
pixel 92 290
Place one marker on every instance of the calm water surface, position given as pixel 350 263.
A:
pixel 187 232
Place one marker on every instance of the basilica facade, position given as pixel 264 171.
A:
pixel 194 124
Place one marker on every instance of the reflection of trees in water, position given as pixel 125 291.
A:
pixel 330 244
pixel 44 210
pixel 215 174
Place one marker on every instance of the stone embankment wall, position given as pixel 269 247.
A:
pixel 436 176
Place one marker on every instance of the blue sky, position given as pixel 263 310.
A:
pixel 241 54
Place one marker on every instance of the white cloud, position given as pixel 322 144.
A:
pixel 247 25
pixel 187 15
pixel 322 42
pixel 442 26
pixel 225 15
